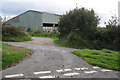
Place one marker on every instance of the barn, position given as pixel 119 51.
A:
pixel 35 20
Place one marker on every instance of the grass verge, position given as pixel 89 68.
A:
pixel 103 58
pixel 54 38
pixel 12 54
pixel 17 39
pixel 62 43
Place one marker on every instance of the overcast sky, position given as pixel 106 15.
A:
pixel 103 8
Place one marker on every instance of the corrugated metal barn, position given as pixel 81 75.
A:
pixel 35 20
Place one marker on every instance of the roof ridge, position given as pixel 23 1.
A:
pixel 32 11
pixel 44 12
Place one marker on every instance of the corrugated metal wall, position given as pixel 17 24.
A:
pixel 50 18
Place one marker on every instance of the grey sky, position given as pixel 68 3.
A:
pixel 15 8
pixel 103 8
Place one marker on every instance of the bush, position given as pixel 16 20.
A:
pixel 108 37
pixel 45 33
pixel 13 33
pixel 75 39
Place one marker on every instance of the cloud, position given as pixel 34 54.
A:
pixel 15 8
pixel 103 8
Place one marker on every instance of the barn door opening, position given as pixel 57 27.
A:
pixel 49 26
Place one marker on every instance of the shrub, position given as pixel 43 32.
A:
pixel 13 33
pixel 109 36
pixel 45 33
pixel 75 39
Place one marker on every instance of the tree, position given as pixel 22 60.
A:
pixel 0 21
pixel 112 22
pixel 109 35
pixel 0 28
pixel 80 21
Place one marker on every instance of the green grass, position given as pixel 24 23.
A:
pixel 62 43
pixel 103 58
pixel 17 39
pixel 54 38
pixel 12 54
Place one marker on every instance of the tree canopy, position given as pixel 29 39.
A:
pixel 78 20
pixel 78 27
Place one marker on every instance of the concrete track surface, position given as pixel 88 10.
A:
pixel 50 61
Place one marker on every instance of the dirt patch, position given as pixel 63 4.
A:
pixel 41 41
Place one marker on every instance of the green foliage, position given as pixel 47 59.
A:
pixel 0 28
pixel 103 58
pixel 29 30
pixel 79 29
pixel 45 33
pixel 81 21
pixel 0 20
pixel 108 37
pixel 74 37
pixel 11 54
pixel 13 33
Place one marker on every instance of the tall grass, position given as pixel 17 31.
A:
pixel 45 33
